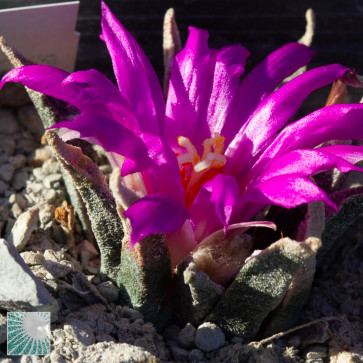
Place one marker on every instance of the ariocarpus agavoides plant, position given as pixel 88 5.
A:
pixel 197 167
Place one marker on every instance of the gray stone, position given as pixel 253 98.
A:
pixel 7 145
pixel 132 314
pixel 17 161
pixel 3 331
pixel 3 187
pixel 23 228
pixel 195 356
pixel 29 118
pixel 32 258
pixel 19 180
pixel 6 172
pixel 79 332
pixel 316 352
pixel 3 217
pixel 19 199
pixel 107 352
pixel 236 340
pixel 179 354
pixel 52 181
pixel 20 290
pixel 108 290
pixel 209 337
pixel 171 333
pixel 8 122
pixel 186 336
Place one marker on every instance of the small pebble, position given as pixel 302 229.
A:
pixel 209 337
pixel 316 352
pixel 3 187
pixel 18 161
pixel 179 354
pixel 132 314
pixel 32 258
pixel 18 199
pixel 236 340
pixel 6 172
pixel 108 290
pixel 196 355
pixel 170 333
pixel 186 336
pixel 52 181
pixel 23 228
pixel 16 210
pixel 9 123
pixel 19 180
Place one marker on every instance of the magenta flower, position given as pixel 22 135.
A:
pixel 219 149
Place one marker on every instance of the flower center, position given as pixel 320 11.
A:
pixel 196 170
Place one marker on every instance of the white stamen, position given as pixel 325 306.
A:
pixel 202 165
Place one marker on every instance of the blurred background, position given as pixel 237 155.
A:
pixel 260 25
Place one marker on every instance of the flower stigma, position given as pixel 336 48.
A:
pixel 196 170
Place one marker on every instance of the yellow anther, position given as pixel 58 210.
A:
pixel 194 171
pixel 213 145
pixel 191 156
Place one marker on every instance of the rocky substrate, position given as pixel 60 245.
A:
pixel 46 264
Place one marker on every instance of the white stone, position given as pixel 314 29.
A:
pixel 209 337
pixel 23 228
pixel 20 290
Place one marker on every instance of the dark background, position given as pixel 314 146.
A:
pixel 260 25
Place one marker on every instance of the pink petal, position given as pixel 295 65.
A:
pixel 350 153
pixel 202 86
pixel 135 76
pixel 203 216
pixel 97 94
pixel 112 136
pixel 336 122
pixel 309 162
pixel 41 78
pixel 155 214
pixel 165 175
pixel 265 77
pixel 181 243
pixel 224 194
pixel 285 190
pixel 274 112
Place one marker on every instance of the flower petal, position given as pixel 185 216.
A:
pixel 203 83
pixel 285 190
pixel 135 76
pixel 224 194
pixel 310 162
pixel 336 122
pixel 274 112
pixel 180 243
pixel 41 78
pixel 112 136
pixel 265 77
pixel 153 214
